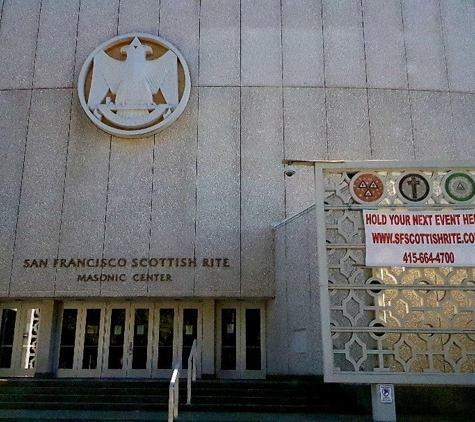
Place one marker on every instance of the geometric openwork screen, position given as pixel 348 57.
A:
pixel 393 324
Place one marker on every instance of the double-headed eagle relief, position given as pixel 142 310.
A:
pixel 133 81
pixel 134 85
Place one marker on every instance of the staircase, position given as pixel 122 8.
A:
pixel 84 400
pixel 145 400
pixel 296 395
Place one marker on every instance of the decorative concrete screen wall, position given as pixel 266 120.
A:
pixel 410 320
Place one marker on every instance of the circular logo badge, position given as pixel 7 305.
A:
pixel 459 187
pixel 413 187
pixel 367 187
pixel 134 85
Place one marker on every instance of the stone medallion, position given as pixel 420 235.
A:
pixel 413 187
pixel 134 85
pixel 367 187
pixel 458 187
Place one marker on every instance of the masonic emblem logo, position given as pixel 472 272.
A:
pixel 367 187
pixel 134 85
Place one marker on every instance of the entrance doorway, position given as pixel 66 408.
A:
pixel 81 342
pixel 126 339
pixel 241 340
pixel 139 339
pixel 19 330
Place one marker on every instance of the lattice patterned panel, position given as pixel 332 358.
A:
pixel 33 331
pixel 394 324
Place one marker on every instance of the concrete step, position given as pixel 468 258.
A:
pixel 151 396
pixel 90 416
pixel 273 396
pixel 93 416
pixel 83 395
pixel 80 415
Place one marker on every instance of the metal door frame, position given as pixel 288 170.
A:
pixel 22 338
pixel 240 371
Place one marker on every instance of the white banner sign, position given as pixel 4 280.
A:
pixel 420 239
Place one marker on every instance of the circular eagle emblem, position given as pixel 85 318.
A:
pixel 134 85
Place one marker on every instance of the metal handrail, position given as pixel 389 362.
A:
pixel 191 371
pixel 173 394
pixel 174 389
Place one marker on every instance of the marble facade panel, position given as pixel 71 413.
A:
pixel 39 219
pixel 299 190
pixel 18 38
pixel 55 52
pixel 315 328
pixel 426 65
pixel 434 137
pixel 179 24
pixel 277 326
pixel 463 109
pixel 139 16
pixel 391 125
pixel 298 253
pixel 84 204
pixel 218 221
pixel 302 43
pixel 262 186
pixel 343 44
pixel 261 51
pixel 304 139
pixel 304 123
pixel 459 31
pixel 97 24
pixel 173 219
pixel 294 334
pixel 220 44
pixel 348 125
pixel 384 44
pixel 15 107
pixel 129 195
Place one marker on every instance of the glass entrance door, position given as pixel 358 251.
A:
pixel 128 341
pixel 178 326
pixel 105 340
pixel 240 340
pixel 80 349
pixel 125 339
pixel 19 329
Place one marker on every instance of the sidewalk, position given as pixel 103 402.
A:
pixel 282 417
pixel 120 416
pixel 268 417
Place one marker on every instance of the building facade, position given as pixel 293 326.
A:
pixel 117 253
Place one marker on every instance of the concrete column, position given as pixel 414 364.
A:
pixel 46 350
pixel 383 402
pixel 207 345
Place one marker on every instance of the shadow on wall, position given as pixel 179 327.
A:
pixel 441 401
pixel 455 403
